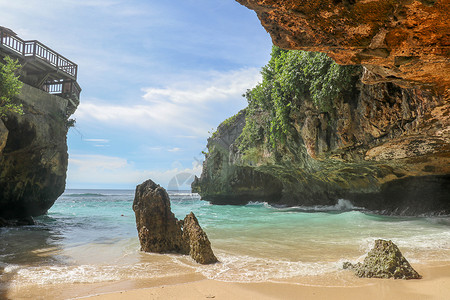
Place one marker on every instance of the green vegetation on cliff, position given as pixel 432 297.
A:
pixel 289 79
pixel 225 124
pixel 316 133
pixel 9 86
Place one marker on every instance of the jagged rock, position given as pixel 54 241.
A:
pixel 384 261
pixel 159 231
pixel 200 247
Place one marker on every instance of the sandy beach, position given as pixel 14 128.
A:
pixel 434 285
pixel 80 251
pixel 343 285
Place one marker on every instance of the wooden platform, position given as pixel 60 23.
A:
pixel 42 67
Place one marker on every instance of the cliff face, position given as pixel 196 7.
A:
pixel 224 180
pixel 402 41
pixel 33 155
pixel 386 144
pixel 387 150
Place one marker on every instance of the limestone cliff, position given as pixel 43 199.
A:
pixel 403 41
pixel 385 144
pixel 385 148
pixel 224 180
pixel 33 154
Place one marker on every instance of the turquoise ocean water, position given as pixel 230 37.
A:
pixel 89 236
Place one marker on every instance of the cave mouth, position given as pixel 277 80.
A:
pixel 410 196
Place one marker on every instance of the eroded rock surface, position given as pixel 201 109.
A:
pixel 33 155
pixel 199 245
pixel 406 42
pixel 384 261
pixel 224 180
pixel 387 149
pixel 159 231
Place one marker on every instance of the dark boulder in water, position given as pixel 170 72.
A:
pixel 159 231
pixel 384 261
pixel 16 222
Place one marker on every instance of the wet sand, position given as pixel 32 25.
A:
pixel 434 285
pixel 342 285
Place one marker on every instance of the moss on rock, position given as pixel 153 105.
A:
pixel 384 261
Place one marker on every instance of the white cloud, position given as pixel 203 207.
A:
pixel 152 148
pixel 97 162
pixel 93 3
pixel 220 87
pixel 185 136
pixel 174 149
pixel 101 169
pixel 183 108
pixel 97 140
pixel 143 68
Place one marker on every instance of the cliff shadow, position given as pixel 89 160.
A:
pixel 424 195
pixel 26 246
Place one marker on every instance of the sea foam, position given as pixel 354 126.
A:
pixel 94 239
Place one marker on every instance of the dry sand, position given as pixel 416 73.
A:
pixel 434 285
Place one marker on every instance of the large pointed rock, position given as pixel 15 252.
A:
pixel 384 261
pixel 159 231
pixel 199 245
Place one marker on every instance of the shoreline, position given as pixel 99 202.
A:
pixel 264 252
pixel 435 284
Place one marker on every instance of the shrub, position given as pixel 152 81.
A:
pixel 9 87
pixel 289 78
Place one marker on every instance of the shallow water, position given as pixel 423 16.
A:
pixel 89 236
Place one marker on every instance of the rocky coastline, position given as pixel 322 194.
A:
pixel 385 147
pixel 388 152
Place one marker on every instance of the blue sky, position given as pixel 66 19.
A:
pixel 157 78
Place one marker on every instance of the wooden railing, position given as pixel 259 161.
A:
pixel 39 50
pixel 65 88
